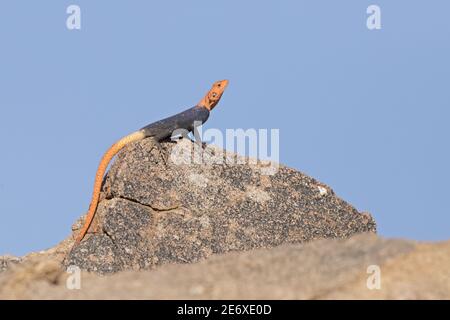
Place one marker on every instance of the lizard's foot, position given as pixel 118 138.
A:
pixel 203 146
pixel 158 146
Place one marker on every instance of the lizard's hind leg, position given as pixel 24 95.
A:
pixel 158 146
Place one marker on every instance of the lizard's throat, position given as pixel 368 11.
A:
pixel 207 103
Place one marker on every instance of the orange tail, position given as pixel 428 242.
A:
pixel 112 151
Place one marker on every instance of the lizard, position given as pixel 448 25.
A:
pixel 157 131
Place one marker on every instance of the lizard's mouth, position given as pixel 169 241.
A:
pixel 222 84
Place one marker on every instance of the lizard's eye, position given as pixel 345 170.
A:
pixel 214 94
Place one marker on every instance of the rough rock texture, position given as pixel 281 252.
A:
pixel 8 261
pixel 224 231
pixel 153 214
pixel 322 269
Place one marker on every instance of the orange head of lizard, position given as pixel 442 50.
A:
pixel 213 96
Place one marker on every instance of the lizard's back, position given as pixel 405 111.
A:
pixel 184 120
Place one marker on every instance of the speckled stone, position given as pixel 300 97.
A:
pixel 154 213
pixel 7 261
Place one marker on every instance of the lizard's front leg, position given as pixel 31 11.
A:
pixel 202 145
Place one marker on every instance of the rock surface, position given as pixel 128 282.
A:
pixel 322 269
pixel 154 213
pixel 7 261
pixel 224 231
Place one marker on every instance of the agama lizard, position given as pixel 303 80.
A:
pixel 157 131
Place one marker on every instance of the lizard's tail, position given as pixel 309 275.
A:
pixel 112 151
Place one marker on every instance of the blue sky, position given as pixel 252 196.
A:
pixel 366 112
